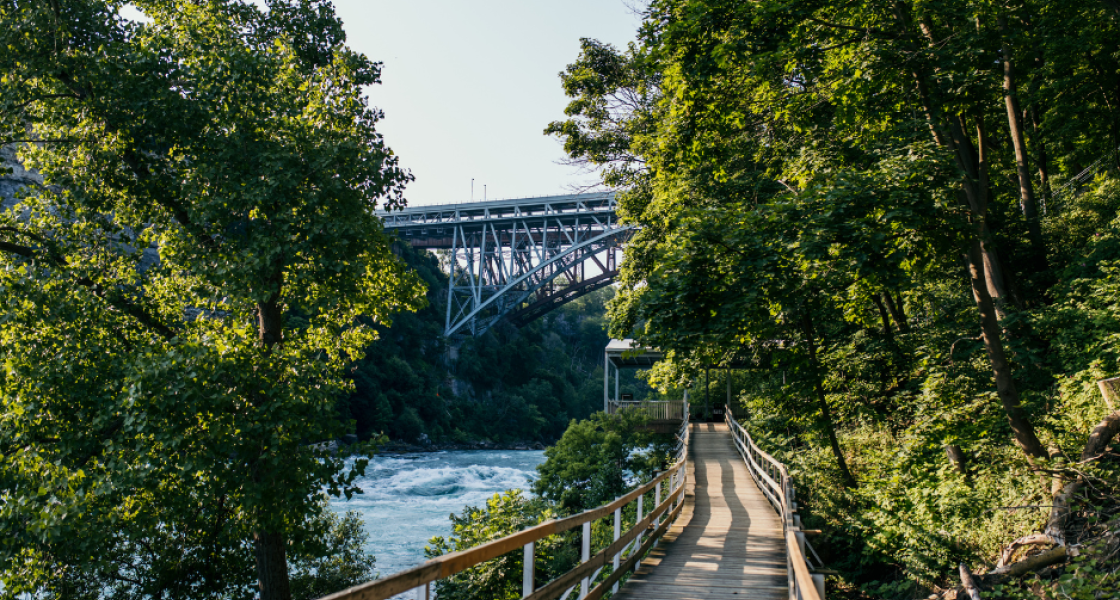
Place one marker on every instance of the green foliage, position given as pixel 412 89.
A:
pixel 145 564
pixel 335 560
pixel 500 578
pixel 509 385
pixel 399 385
pixel 599 459
pixel 807 181
pixel 181 299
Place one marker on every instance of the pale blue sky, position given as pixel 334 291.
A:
pixel 468 87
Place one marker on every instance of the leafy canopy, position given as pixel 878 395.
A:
pixel 182 296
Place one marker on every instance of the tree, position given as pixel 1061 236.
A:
pixel 335 560
pixel 501 578
pixel 592 462
pixel 856 203
pixel 753 96
pixel 179 394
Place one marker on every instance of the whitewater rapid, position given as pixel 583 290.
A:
pixel 407 499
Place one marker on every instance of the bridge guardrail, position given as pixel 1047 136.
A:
pixel 624 553
pixel 658 410
pixel 773 479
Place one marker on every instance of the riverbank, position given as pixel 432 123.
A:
pixel 406 448
pixel 398 447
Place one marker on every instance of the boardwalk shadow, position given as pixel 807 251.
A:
pixel 731 545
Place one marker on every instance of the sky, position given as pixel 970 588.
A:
pixel 468 88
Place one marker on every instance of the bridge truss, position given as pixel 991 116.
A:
pixel 517 259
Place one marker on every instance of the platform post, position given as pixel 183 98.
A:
pixel 618 555
pixel 527 571
pixel 638 542
pixel 585 585
pixel 606 381
pixel 617 377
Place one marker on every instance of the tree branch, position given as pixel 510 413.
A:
pixel 177 210
pixel 23 105
pixel 113 427
pixel 867 30
pixel 39 141
pixel 112 298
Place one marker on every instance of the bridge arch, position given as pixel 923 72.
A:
pixel 517 259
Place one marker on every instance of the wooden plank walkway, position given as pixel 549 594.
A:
pixel 727 543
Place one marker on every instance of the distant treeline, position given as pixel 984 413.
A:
pixel 510 384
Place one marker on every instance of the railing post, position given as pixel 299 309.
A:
pixel 618 555
pixel 673 485
pixel 585 585
pixel 678 481
pixel 793 593
pixel 638 541
pixel 527 572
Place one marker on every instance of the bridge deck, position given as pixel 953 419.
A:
pixel 727 543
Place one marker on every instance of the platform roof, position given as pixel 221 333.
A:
pixel 625 354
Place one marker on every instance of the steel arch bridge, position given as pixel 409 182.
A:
pixel 517 259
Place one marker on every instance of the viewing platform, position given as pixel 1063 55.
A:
pixel 720 523
pixel 665 416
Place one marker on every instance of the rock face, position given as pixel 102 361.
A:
pixel 19 177
pixel 10 183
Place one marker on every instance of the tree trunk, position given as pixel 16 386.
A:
pixel 973 160
pixel 270 323
pixel 1015 124
pixel 887 331
pixel 897 311
pixel 1098 442
pixel 957 458
pixel 272 562
pixel 994 278
pixel 822 402
pixel 1109 389
pixel 982 259
pixel 949 133
pixel 993 271
pixel 968 583
pixel 272 566
pixel 1001 368
pixel 1043 158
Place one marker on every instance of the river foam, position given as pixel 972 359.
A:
pixel 407 499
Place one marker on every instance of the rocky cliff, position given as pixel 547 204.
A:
pixel 10 183
pixel 13 177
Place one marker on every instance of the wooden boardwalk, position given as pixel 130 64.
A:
pixel 727 544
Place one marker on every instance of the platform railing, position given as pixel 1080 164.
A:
pixel 623 554
pixel 657 410
pixel 773 479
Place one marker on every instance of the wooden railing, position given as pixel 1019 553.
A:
pixel 806 582
pixel 623 554
pixel 661 410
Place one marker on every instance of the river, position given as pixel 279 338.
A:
pixel 407 498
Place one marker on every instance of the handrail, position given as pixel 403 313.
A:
pixel 674 479
pixel 773 479
pixel 655 409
